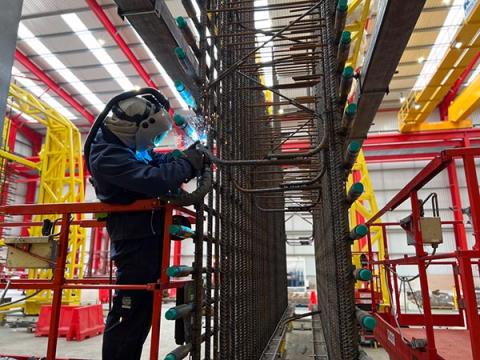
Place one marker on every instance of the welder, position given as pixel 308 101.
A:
pixel 124 169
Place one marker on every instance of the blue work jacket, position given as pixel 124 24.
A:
pixel 120 178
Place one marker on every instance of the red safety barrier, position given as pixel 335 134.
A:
pixel 87 321
pixel 43 322
pixel 76 322
pixel 313 300
pixel 104 296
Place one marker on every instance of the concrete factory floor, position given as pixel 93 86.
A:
pixel 19 341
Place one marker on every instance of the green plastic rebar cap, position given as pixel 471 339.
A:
pixel 181 22
pixel 170 357
pixel 342 5
pixel 172 271
pixel 181 54
pixel 354 147
pixel 346 37
pixel 178 119
pixel 171 314
pixel 365 275
pixel 357 188
pixel 361 230
pixel 351 109
pixel 179 85
pixel 369 322
pixel 348 72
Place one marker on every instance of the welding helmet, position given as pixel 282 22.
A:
pixel 152 121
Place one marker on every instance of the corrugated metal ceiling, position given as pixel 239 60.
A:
pixel 43 19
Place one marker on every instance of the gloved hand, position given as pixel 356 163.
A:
pixel 195 157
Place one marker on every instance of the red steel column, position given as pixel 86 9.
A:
pixel 452 93
pixel 422 270
pixel 471 310
pixel 459 228
pixel 58 281
pixel 474 196
pixel 158 292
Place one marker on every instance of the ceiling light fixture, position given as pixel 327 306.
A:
pixel 101 42
pixel 402 98
pixel 39 48
pixel 86 36
pixel 421 60
pixel 458 45
pixel 442 43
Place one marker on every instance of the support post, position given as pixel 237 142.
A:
pixel 158 292
pixel 458 228
pixel 473 195
pixel 9 18
pixel 422 270
pixel 58 281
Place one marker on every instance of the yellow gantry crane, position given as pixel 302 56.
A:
pixel 61 180
pixel 420 104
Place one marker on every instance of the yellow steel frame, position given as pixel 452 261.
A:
pixel 419 105
pixel 357 28
pixel 466 102
pixel 61 180
pixel 366 205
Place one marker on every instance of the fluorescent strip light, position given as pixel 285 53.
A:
pixel 40 93
pixel 445 36
pixel 39 48
pixel 91 42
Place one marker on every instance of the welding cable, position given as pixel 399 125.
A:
pixel 21 299
pixel 4 293
pixel 395 314
pixel 205 177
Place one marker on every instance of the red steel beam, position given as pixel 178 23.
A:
pixel 39 73
pixel 100 13
pixel 427 139
pixel 452 93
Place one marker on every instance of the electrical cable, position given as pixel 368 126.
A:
pixel 21 299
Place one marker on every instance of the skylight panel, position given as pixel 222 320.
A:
pixel 39 48
pixel 86 36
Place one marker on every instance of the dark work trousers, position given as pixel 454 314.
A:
pixel 138 261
